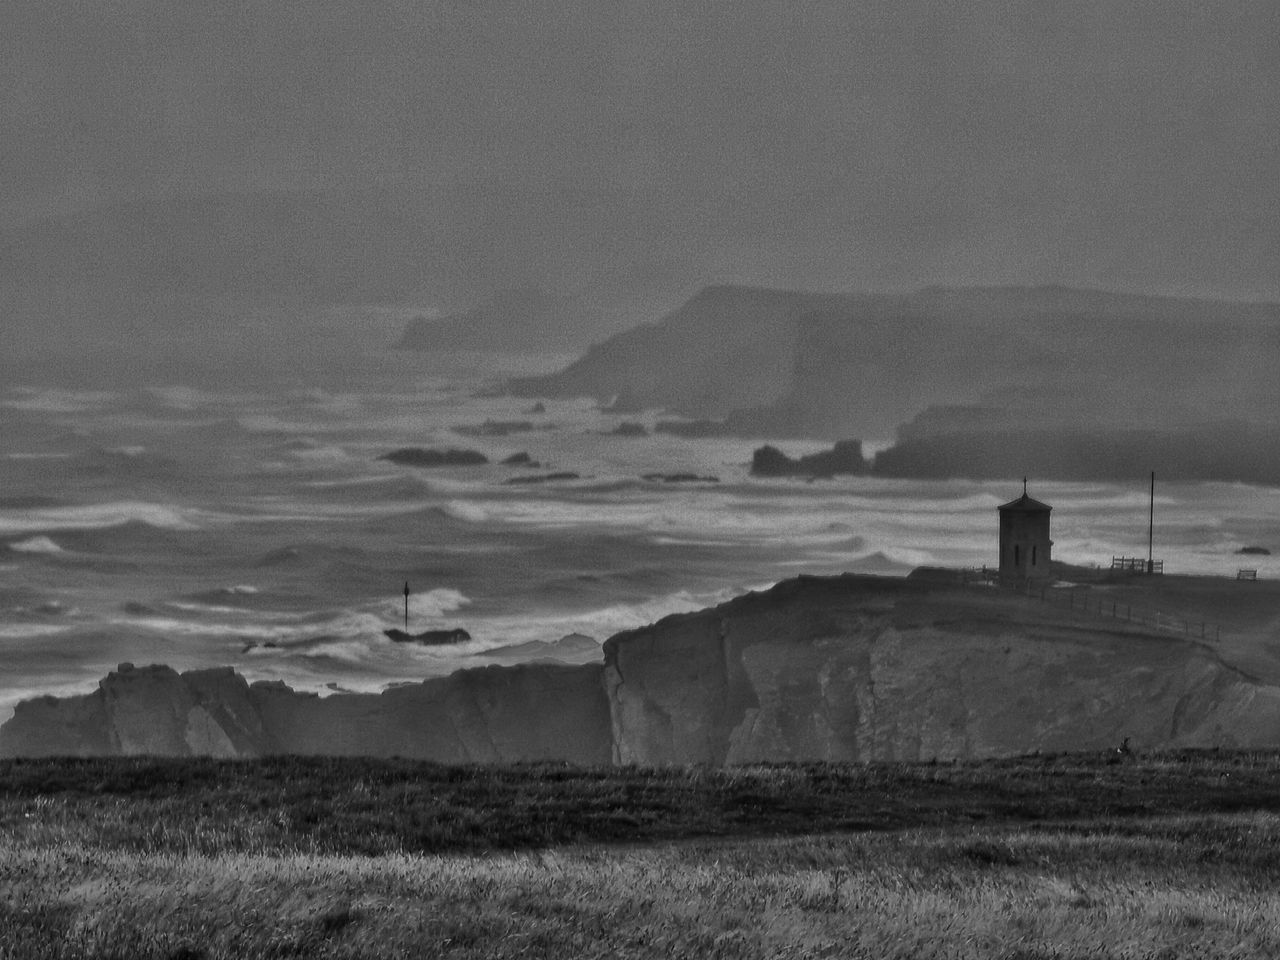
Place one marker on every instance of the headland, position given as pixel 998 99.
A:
pixel 939 665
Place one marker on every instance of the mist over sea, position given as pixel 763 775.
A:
pixel 254 526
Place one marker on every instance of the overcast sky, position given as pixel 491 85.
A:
pixel 635 150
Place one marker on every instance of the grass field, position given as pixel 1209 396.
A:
pixel 1067 856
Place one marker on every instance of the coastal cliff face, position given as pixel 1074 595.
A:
pixel 862 668
pixel 494 714
pixel 727 348
pixel 850 668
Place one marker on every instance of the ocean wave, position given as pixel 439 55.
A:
pixel 54 400
pixel 29 631
pixel 96 516
pixel 36 545
pixel 464 510
pixel 431 604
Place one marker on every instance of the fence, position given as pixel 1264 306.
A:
pixel 1137 565
pixel 1105 607
pixel 1080 599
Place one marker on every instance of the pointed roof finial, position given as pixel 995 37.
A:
pixel 1024 486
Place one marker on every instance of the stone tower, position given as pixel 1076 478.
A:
pixel 1024 538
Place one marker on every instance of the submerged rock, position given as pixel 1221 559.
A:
pixel 679 478
pixel 429 638
pixel 495 428
pixel 629 428
pixel 545 477
pixel 420 457
pixel 692 428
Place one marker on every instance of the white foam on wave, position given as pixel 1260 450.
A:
pixel 173 626
pixel 463 510
pixel 602 622
pixel 26 631
pixel 53 400
pixel 96 516
pixel 360 481
pixel 36 545
pixel 305 631
pixel 323 454
pixel 432 603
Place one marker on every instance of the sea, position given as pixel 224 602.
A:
pixel 255 526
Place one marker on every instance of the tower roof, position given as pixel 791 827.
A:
pixel 1025 504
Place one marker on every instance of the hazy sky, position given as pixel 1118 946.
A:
pixel 637 149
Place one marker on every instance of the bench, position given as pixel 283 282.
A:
pixel 1243 574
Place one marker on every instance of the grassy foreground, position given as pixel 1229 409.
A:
pixel 1072 856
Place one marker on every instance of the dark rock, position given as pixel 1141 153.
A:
pixel 521 459
pixel 429 638
pixel 538 407
pixel 692 428
pixel 844 458
pixel 679 478
pixel 629 428
pixel 494 714
pixel 495 428
pixel 545 478
pixel 1255 551
pixel 419 457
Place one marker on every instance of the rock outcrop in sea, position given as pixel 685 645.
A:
pixel 843 458
pixel 839 668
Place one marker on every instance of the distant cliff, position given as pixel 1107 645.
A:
pixel 725 349
pixel 778 363
pixel 523 318
pixel 841 668
pixel 992 444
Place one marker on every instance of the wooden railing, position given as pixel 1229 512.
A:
pixel 1085 601
pixel 1137 565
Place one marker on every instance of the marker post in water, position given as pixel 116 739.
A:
pixel 406 606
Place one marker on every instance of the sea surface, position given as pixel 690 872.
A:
pixel 258 528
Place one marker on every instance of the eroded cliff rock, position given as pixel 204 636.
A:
pixel 842 668
pixel 870 668
pixel 493 714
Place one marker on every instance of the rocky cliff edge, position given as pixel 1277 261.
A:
pixel 874 668
pixel 838 668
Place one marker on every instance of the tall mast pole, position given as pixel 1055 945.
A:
pixel 1151 524
pixel 406 606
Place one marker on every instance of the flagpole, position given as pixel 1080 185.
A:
pixel 1151 526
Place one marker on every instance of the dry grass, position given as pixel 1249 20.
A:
pixel 1203 884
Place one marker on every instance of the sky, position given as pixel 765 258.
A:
pixel 632 152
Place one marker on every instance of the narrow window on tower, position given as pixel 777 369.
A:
pixel 1033 554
